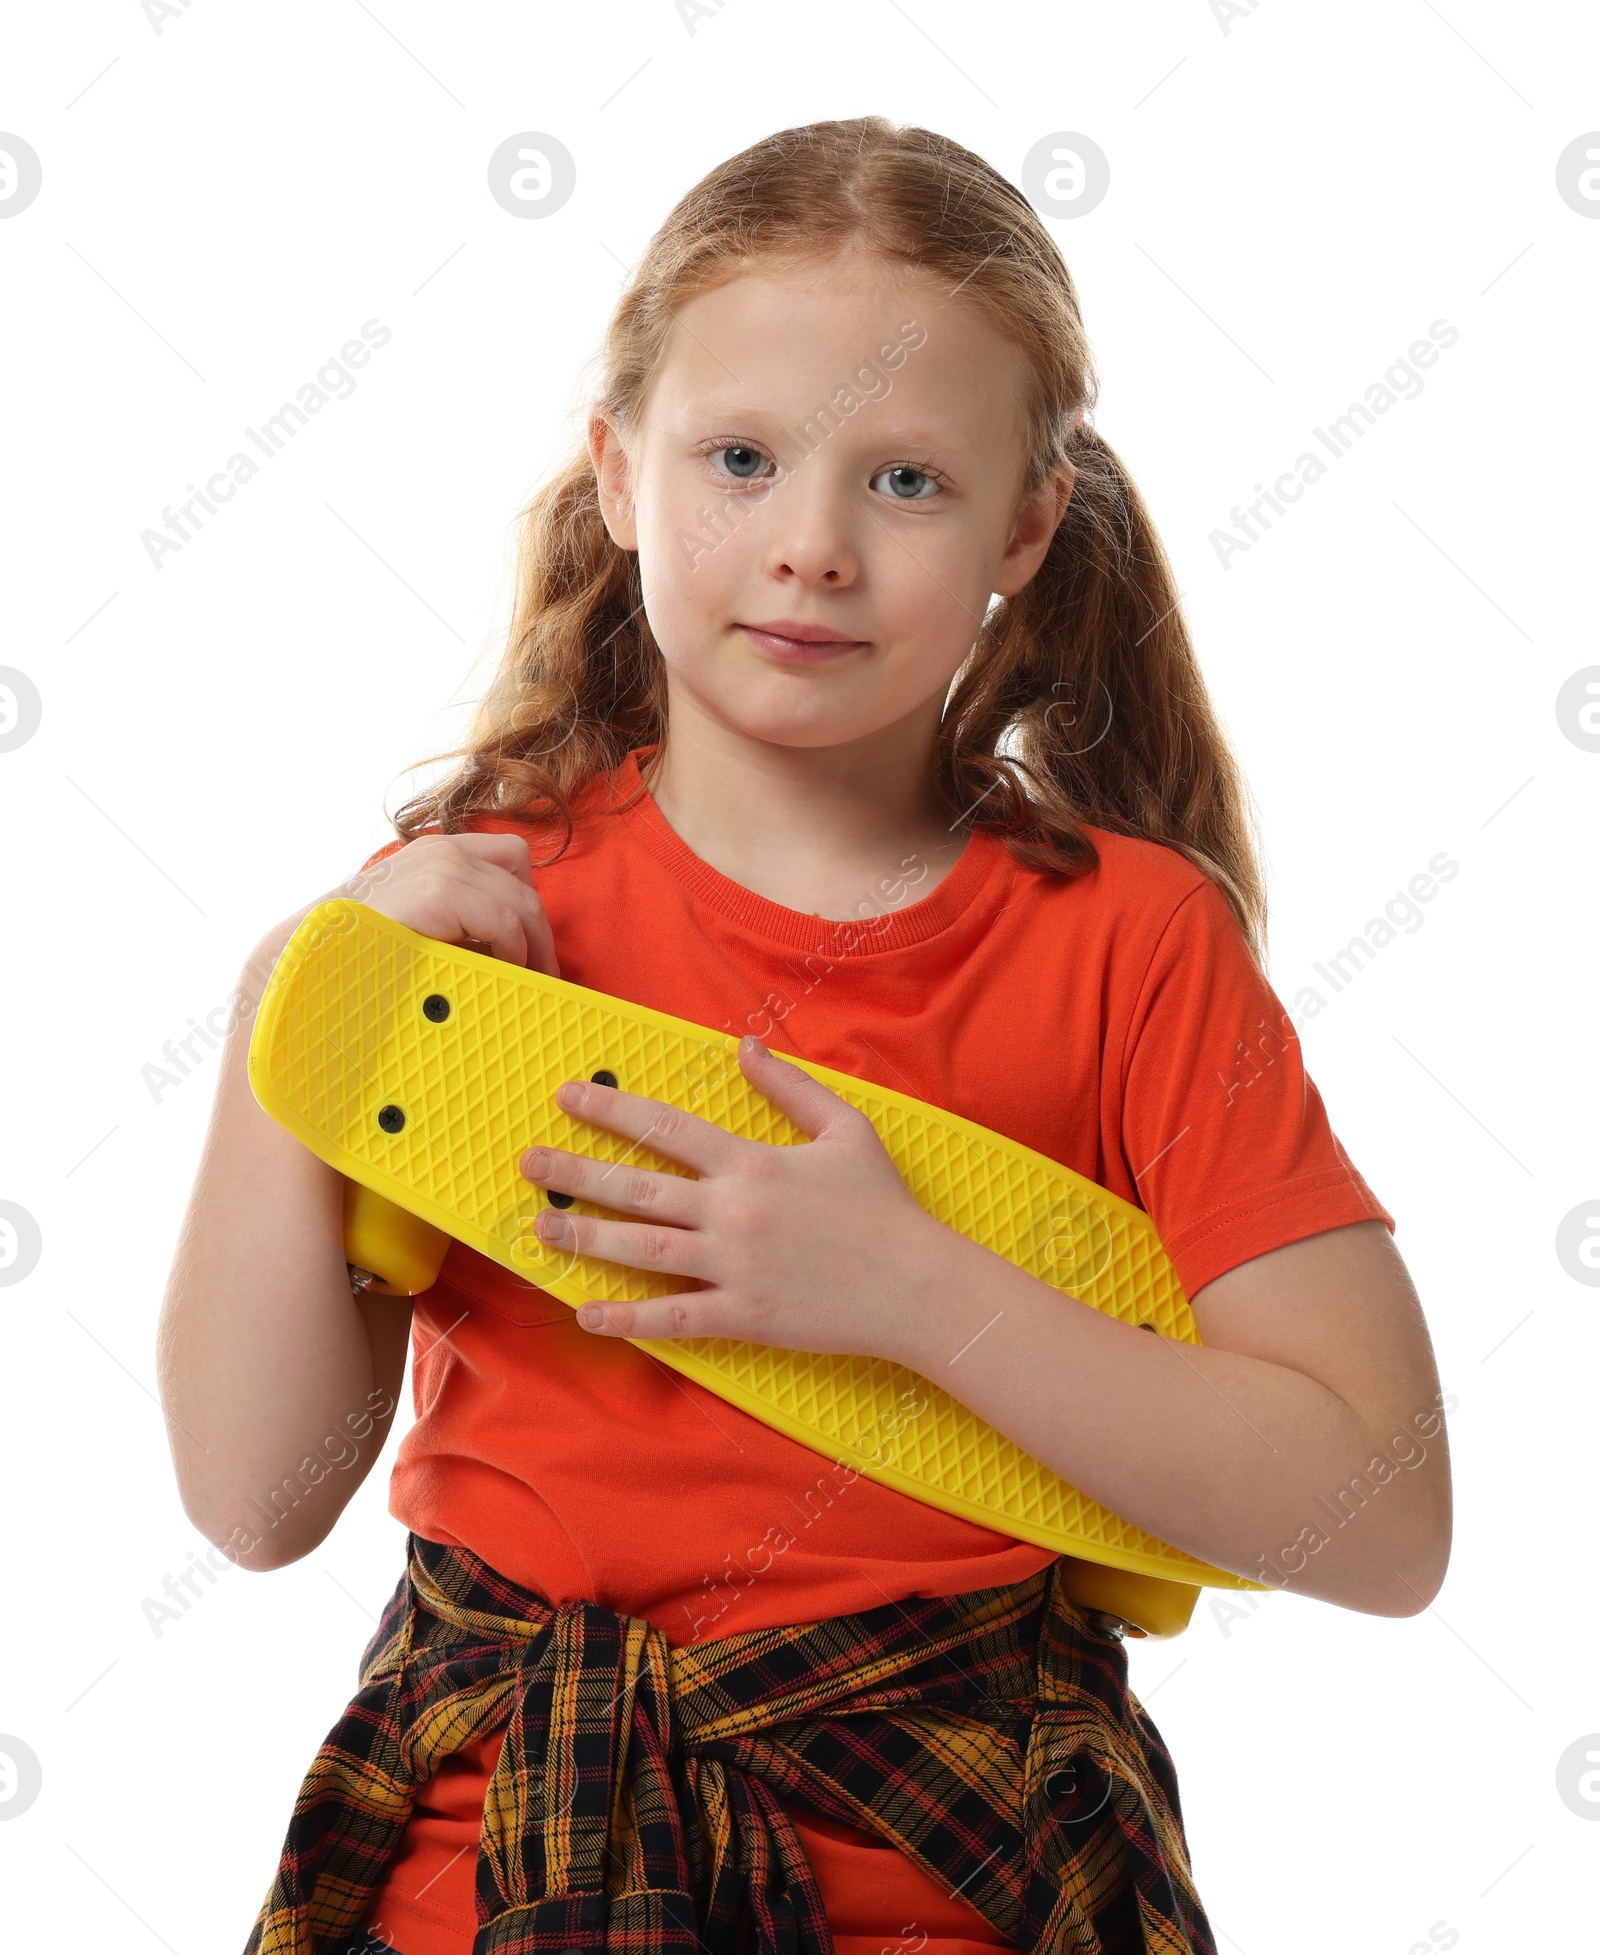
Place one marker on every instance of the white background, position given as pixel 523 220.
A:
pixel 1294 199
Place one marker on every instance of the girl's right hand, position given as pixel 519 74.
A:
pixel 472 890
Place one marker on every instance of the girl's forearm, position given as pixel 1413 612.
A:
pixel 1235 1460
pixel 265 1362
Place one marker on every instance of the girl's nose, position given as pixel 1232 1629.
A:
pixel 811 538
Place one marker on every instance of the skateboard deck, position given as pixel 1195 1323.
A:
pixel 422 1072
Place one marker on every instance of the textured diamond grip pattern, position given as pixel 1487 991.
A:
pixel 341 1033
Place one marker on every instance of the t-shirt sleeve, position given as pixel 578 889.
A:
pixel 1225 1136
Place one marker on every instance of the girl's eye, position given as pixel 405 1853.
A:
pixel 742 463
pixel 906 484
pixel 906 481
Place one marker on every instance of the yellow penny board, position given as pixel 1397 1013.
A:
pixel 423 1072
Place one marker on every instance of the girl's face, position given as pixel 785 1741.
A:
pixel 824 492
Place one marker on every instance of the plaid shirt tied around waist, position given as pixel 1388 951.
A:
pixel 991 1737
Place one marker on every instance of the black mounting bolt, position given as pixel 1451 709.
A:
pixel 391 1119
pixel 436 1008
pixel 603 1078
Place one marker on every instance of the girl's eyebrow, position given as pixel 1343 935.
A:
pixel 929 441
pixel 723 416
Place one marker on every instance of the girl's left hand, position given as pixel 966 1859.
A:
pixel 817 1247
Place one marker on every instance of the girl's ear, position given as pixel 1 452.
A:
pixel 1038 514
pixel 613 474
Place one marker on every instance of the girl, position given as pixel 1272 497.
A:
pixel 847 705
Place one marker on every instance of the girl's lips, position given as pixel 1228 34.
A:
pixel 799 651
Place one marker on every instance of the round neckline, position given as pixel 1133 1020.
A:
pixel 866 936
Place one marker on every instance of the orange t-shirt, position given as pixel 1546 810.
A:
pixel 1113 1021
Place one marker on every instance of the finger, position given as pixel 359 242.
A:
pixel 614 1184
pixel 814 1108
pixel 521 901
pixel 474 890
pixel 674 1316
pixel 495 910
pixel 485 916
pixel 666 1130
pixel 636 1245
pixel 508 857
pixel 508 852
